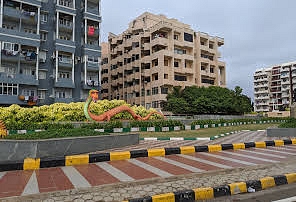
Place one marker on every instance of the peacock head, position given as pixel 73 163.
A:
pixel 94 94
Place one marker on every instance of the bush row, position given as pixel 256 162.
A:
pixel 289 123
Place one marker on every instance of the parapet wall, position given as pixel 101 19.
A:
pixel 15 150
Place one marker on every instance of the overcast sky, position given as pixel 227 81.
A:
pixel 257 33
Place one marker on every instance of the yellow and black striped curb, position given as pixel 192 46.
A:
pixel 36 163
pixel 205 193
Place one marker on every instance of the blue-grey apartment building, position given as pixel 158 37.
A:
pixel 50 50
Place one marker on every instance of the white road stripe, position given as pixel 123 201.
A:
pixel 248 156
pixel 262 153
pixel 32 186
pixel 150 168
pixel 229 159
pixel 2 174
pixel 75 177
pixel 292 199
pixel 291 147
pixel 182 165
pixel 204 161
pixel 115 172
pixel 282 151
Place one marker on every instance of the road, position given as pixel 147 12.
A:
pixel 22 183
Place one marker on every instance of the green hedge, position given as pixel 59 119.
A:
pixel 56 133
pixel 290 123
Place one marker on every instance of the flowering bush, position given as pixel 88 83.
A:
pixel 16 117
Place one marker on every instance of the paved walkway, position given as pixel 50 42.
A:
pixel 133 178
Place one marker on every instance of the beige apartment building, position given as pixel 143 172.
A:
pixel 274 87
pixel 142 64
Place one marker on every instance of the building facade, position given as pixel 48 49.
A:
pixel 49 50
pixel 142 64
pixel 274 87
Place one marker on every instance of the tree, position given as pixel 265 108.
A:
pixel 211 100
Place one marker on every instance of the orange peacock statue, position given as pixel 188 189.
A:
pixel 3 130
pixel 106 116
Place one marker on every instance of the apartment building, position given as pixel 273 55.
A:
pixel 49 50
pixel 155 53
pixel 274 87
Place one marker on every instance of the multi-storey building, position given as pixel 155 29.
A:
pixel 274 87
pixel 156 53
pixel 49 50
pixel 261 90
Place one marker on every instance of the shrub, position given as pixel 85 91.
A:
pixel 290 123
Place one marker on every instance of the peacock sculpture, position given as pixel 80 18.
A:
pixel 106 116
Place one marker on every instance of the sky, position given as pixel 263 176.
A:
pixel 257 33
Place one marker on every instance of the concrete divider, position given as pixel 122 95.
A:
pixel 18 150
pixel 281 132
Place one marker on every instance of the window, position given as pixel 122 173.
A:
pixel 155 104
pixel 65 59
pixel 154 90
pixel 28 71
pixel 179 51
pixel 29 92
pixel 164 90
pixel 66 3
pixel 43 18
pixel 10 46
pixel 41 94
pixel 30 31
pixel 43 36
pixel 42 75
pixel 8 89
pixel 165 76
pixel 203 68
pixel 148 92
pixel 60 94
pixel 66 75
pixel 208 81
pixel 176 64
pixel 176 37
pixel 180 78
pixel 212 70
pixel 188 37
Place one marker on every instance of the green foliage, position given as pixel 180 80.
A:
pixel 107 125
pixel 211 100
pixel 161 123
pixel 290 123
pixel 221 121
pixel 56 133
pixel 16 117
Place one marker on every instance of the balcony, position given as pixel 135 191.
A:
pixel 94 50
pixel 10 99
pixel 159 41
pixel 65 45
pixel 65 62
pixel 29 17
pixel 92 13
pixel 64 83
pixel 93 66
pixel 90 84
pixel 23 38
pixel 21 79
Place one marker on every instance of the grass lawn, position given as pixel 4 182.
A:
pixel 207 132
